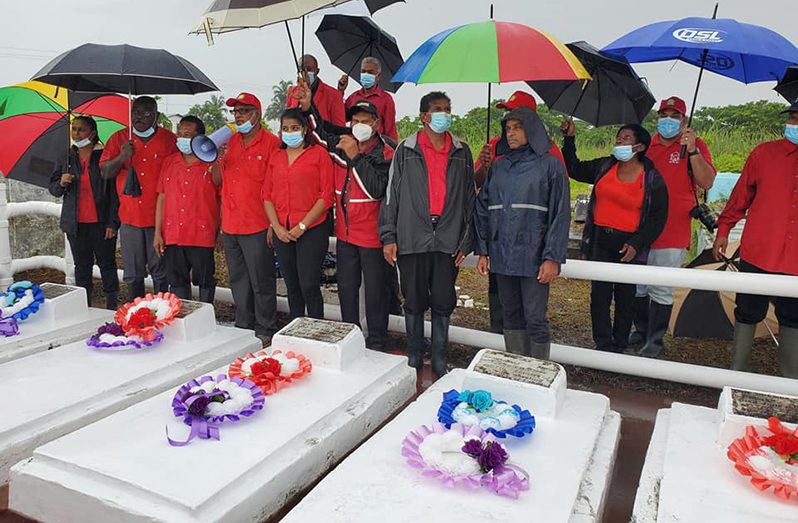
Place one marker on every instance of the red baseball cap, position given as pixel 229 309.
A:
pixel 518 99
pixel 675 103
pixel 246 99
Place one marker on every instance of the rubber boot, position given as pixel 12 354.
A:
pixel 788 351
pixel 539 350
pixel 638 337
pixel 136 289
pixel 440 344
pixel 515 341
pixel 207 294
pixel 184 293
pixel 658 318
pixel 414 328
pixel 111 301
pixel 741 348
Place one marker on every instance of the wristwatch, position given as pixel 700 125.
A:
pixel 302 226
pixel 693 153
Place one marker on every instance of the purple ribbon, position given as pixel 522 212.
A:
pixel 9 326
pixel 199 429
pixel 507 480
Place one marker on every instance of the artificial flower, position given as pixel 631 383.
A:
pixel 481 400
pixel 142 318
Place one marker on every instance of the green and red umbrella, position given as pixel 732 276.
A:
pixel 34 123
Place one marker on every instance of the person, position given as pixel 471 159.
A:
pixel 241 170
pixel 297 191
pixel 766 195
pixel 654 303
pixel 328 100
pixel 627 211
pixel 370 74
pixel 486 157
pixel 187 217
pixel 139 160
pixel 523 215
pixel 425 224
pixel 362 160
pixel 90 211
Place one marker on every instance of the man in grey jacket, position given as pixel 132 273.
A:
pixel 425 225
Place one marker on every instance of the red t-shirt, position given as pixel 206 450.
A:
pixel 437 161
pixel 681 190
pixel 191 203
pixel 147 161
pixel 87 209
pixel 386 109
pixel 243 172
pixel 295 188
pixel 618 204
pixel 328 101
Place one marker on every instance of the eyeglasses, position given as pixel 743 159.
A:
pixel 241 111
pixel 142 114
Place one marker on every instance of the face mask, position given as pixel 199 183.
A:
pixel 623 153
pixel 293 139
pixel 144 134
pixel 82 143
pixel 368 80
pixel 244 127
pixel 668 127
pixel 311 77
pixel 440 122
pixel 362 132
pixel 184 145
pixel 791 133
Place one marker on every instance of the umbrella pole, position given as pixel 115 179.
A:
pixel 579 101
pixel 291 41
pixel 487 130
pixel 303 39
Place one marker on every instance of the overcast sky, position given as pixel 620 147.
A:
pixel 34 31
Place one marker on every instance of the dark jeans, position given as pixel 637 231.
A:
pixel 356 264
pixel 609 335
pixel 250 262
pixel 90 245
pixel 300 265
pixel 752 308
pixel 187 265
pixel 427 281
pixel 139 256
pixel 495 305
pixel 525 302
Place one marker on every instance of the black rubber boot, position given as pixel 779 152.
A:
pixel 638 337
pixel 440 344
pixel 111 301
pixel 206 294
pixel 515 341
pixel 414 328
pixel 741 350
pixel 136 289
pixel 539 350
pixel 658 318
pixel 184 293
pixel 788 351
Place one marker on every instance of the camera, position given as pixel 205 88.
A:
pixel 703 213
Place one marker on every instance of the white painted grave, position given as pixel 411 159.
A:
pixel 122 469
pixel 687 476
pixel 56 392
pixel 569 457
pixel 64 317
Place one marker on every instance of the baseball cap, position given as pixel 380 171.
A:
pixel 675 103
pixel 246 99
pixel 362 106
pixel 519 99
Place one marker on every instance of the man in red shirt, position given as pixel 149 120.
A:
pixel 327 99
pixel 187 217
pixel 144 154
pixel 766 195
pixel 247 246
pixel 370 73
pixel 653 304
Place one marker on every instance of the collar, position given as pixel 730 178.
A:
pixel 411 142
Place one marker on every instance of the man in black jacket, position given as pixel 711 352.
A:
pixel 425 225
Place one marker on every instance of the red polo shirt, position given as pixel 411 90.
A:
pixel 191 203
pixel 383 101
pixel 437 161
pixel 768 191
pixel 554 151
pixel 295 188
pixel 87 209
pixel 681 190
pixel 328 101
pixel 243 172
pixel 147 161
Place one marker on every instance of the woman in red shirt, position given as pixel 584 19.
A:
pixel 297 191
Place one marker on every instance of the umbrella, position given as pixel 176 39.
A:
pixel 35 119
pixel 615 95
pixel 788 85
pixel 347 39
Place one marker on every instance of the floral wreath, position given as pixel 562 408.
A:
pixel 771 461
pixel 111 336
pixel 271 369
pixel 478 408
pixel 206 401
pixel 465 457
pixel 136 323
pixel 19 301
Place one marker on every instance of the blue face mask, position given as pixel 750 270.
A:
pixel 440 122
pixel 311 77
pixel 144 134
pixel 668 127
pixel 791 133
pixel 623 153
pixel 184 145
pixel 294 139
pixel 368 80
pixel 244 127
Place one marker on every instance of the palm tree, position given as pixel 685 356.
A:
pixel 279 96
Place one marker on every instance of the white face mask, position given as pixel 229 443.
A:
pixel 362 132
pixel 81 143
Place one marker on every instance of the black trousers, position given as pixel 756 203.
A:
pixel 609 335
pixel 752 308
pixel 356 264
pixel 90 246
pixel 495 305
pixel 525 302
pixel 250 262
pixel 300 264
pixel 427 281
pixel 187 265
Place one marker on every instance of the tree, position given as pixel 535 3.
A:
pixel 277 104
pixel 211 112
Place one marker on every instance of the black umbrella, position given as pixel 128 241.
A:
pixel 788 85
pixel 348 39
pixel 124 69
pixel 616 95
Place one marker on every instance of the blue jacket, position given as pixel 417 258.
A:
pixel 523 211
